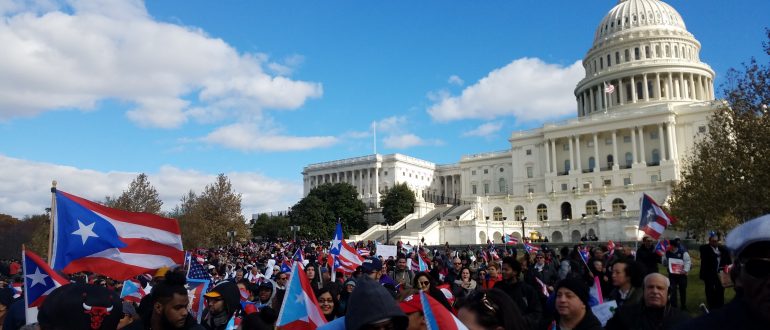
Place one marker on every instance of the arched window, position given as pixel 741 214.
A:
pixel 591 162
pixel 542 212
pixel 610 161
pixel 655 157
pixel 566 211
pixel 629 159
pixel 618 205
pixel 497 214
pixel 592 208
pixel 518 212
pixel 502 186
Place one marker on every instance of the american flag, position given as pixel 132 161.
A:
pixel 609 88
pixel 197 272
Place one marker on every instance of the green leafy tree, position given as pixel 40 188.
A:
pixel 397 203
pixel 317 213
pixel 31 231
pixel 271 227
pixel 726 181
pixel 207 218
pixel 141 196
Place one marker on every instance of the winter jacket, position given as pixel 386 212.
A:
pixel 526 298
pixel 641 317
pixel 461 290
pixel 734 315
pixel 589 322
pixel 231 296
pixel 633 297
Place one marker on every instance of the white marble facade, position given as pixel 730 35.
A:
pixel 580 176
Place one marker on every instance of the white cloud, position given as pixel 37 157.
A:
pixel 24 186
pixel 527 88
pixel 74 54
pixel 404 141
pixel 251 137
pixel 485 129
pixel 394 124
pixel 455 80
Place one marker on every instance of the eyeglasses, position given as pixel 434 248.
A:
pixel 325 301
pixel 424 283
pixel 213 300
pixel 757 267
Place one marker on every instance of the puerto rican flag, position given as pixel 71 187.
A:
pixel 196 289
pixel 653 220
pixel 510 240
pixel 132 291
pixel 18 290
pixel 119 244
pixel 437 317
pixel 662 247
pixel 300 308
pixel 530 248
pixel 39 281
pixel 364 252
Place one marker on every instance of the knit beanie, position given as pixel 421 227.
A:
pixel 576 286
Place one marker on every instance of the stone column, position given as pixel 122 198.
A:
pixel 546 147
pixel 377 186
pixel 645 89
pixel 671 141
pixel 571 159
pixel 615 164
pixel 578 165
pixel 621 92
pixel 643 152
pixel 657 86
pixel 553 155
pixel 670 87
pixel 633 90
pixel 693 91
pixel 634 158
pixel 662 139
pixel 591 97
pixel 682 94
pixel 597 161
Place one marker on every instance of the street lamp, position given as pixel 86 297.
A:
pixel 487 221
pixel 504 218
pixel 522 228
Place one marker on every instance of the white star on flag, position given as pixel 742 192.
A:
pixel 85 231
pixel 37 277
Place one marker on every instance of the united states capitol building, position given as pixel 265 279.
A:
pixel 563 181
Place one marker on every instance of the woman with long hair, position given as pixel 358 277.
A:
pixel 464 285
pixel 328 303
pixel 425 282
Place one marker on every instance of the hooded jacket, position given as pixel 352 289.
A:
pixel 231 296
pixel 269 302
pixel 369 303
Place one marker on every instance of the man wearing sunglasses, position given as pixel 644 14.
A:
pixel 750 309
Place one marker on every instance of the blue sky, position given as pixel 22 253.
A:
pixel 94 92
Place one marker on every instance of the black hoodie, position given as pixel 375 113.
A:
pixel 231 296
pixel 370 302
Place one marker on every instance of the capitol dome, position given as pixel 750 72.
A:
pixel 642 54
pixel 631 14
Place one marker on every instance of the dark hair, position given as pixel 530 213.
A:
pixel 433 290
pixel 634 271
pixel 334 300
pixel 513 263
pixel 173 283
pixel 493 308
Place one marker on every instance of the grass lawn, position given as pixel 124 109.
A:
pixel 695 293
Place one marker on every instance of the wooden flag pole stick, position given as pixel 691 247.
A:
pixel 52 216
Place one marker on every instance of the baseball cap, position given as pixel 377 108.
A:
pixel 372 265
pixel 411 304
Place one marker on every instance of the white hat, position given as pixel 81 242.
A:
pixel 752 231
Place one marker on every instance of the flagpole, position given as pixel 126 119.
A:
pixel 24 287
pixel 51 216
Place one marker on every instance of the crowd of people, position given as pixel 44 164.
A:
pixel 485 288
